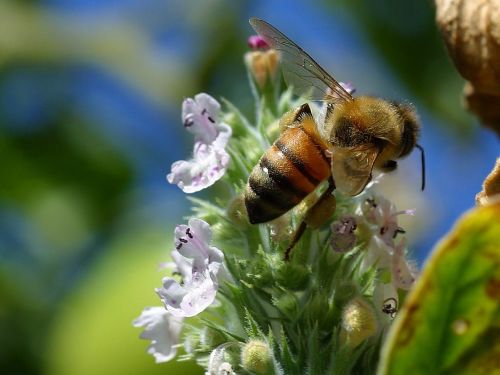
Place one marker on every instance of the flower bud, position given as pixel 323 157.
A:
pixel 262 65
pixel 210 338
pixel 287 304
pixel 256 42
pixel 256 357
pixel 321 310
pixel 293 276
pixel 359 322
pixel 344 292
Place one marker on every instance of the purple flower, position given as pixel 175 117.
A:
pixel 199 265
pixel 162 329
pixel 200 117
pixel 343 237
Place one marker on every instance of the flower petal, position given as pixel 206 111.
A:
pixel 162 329
pixel 200 265
pixel 200 116
pixel 201 295
pixel 190 299
pixel 182 265
pixel 402 272
pixel 193 242
pixel 172 294
pixel 208 166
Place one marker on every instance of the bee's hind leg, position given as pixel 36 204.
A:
pixel 296 237
pixel 315 216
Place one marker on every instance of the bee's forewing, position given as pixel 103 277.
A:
pixel 300 70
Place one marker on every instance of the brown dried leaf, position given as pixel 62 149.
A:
pixel 471 30
pixel 491 186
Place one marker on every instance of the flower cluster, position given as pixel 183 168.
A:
pixel 385 251
pixel 200 117
pixel 198 264
pixel 231 300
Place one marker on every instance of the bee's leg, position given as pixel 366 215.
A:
pixel 296 237
pixel 316 215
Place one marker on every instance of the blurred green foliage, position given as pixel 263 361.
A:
pixel 450 322
pixel 92 331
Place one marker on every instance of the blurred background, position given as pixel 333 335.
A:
pixel 90 101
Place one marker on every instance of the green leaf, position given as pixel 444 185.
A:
pixel 447 322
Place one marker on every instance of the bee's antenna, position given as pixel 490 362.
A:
pixel 422 158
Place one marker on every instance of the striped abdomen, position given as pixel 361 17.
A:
pixel 290 170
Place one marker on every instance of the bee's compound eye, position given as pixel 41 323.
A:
pixel 390 165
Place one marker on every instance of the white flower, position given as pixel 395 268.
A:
pixel 403 272
pixel 200 116
pixel 379 253
pixel 199 265
pixel 381 216
pixel 217 364
pixel 208 165
pixel 382 213
pixel 162 329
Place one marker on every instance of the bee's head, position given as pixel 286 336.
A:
pixel 410 129
pixel 410 133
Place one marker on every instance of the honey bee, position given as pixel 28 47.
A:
pixel 356 135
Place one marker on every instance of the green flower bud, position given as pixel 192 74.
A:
pixel 321 311
pixel 256 357
pixel 293 276
pixel 359 322
pixel 344 292
pixel 210 338
pixel 288 305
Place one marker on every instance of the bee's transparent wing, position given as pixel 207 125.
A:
pixel 299 69
pixel 352 167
